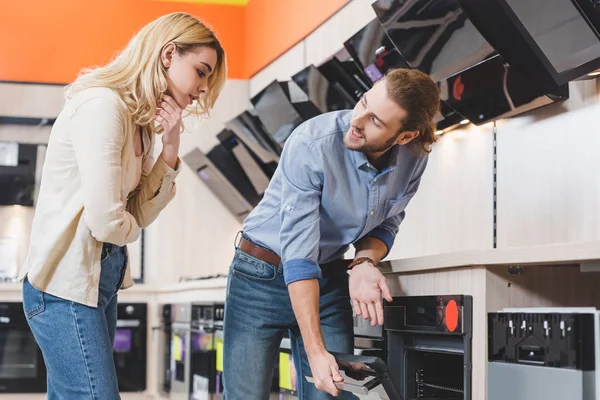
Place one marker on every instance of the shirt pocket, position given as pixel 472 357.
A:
pixel 396 206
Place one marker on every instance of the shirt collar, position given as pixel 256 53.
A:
pixel 361 160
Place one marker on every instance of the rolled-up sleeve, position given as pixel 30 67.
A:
pixel 388 229
pixel 302 181
pixel 155 190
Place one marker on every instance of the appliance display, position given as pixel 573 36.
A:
pixel 181 315
pixel 250 130
pixel 550 41
pixel 22 368
pixel 226 162
pixel 428 350
pixel 543 353
pixel 258 172
pixel 130 346
pixel 218 184
pixel 219 316
pixel 203 359
pixel 276 112
pixel 17 173
pixel 492 90
pixel 285 376
pixel 324 94
pixel 433 36
pixel 345 75
pixel 373 51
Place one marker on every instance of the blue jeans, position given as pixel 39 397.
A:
pixel 258 311
pixel 77 340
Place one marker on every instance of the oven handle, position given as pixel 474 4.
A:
pixel 346 387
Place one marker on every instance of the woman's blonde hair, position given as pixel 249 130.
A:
pixel 138 75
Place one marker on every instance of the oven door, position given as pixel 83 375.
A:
pixel 129 352
pixel 365 376
pixel 203 363
pixel 22 368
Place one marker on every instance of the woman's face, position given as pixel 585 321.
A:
pixel 187 74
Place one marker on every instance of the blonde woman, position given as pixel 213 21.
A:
pixel 100 186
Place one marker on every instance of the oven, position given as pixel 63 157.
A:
pixel 180 351
pixel 165 331
pixel 219 316
pixel 428 341
pixel 130 346
pixel 203 355
pixel 22 368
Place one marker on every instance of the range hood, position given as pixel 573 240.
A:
pixel 445 40
pixel 551 42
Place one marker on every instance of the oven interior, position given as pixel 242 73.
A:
pixel 434 375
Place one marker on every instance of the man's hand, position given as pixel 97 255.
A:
pixel 367 284
pixel 325 372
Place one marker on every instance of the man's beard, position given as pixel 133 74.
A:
pixel 374 147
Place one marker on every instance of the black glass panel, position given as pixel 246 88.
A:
pixel 433 36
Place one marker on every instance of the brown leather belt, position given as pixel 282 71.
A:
pixel 270 257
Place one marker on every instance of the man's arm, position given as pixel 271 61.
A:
pixel 367 283
pixel 302 180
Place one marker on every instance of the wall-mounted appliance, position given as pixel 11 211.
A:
pixel 22 368
pixel 276 112
pixel 493 90
pixel 437 38
pixel 218 184
pixel 345 75
pixel 226 162
pixel 550 41
pixel 250 130
pixel 18 164
pixel 428 350
pixel 130 346
pixel 544 353
pixel 373 51
pixel 257 172
pixel 324 94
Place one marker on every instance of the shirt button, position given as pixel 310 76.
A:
pixel 375 180
pixel 372 212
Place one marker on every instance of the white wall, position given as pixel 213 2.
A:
pixel 194 235
pixel 548 180
pixel 453 208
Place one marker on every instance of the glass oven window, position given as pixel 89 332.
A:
pixel 434 375
pixel 18 355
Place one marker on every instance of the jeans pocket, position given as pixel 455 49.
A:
pixel 252 268
pixel 33 300
pixel 107 248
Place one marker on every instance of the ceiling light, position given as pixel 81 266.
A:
pixel 464 122
pixel 439 132
pixel 595 73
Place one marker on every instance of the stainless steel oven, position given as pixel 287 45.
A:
pixel 181 315
pixel 428 351
pixel 22 368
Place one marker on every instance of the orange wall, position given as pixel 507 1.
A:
pixel 52 40
pixel 274 26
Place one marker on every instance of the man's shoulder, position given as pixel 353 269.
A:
pixel 323 129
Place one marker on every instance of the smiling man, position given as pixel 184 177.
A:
pixel 344 179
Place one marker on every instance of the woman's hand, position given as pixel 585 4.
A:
pixel 169 116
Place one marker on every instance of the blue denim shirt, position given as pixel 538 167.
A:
pixel 324 197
